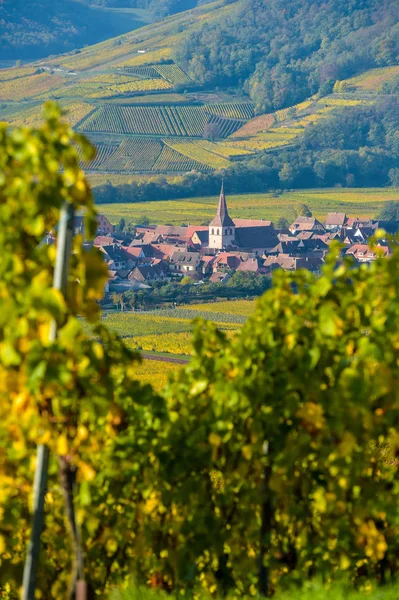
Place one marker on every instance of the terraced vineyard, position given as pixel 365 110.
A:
pixel 32 86
pixel 371 81
pixel 170 160
pixel 275 130
pixel 225 149
pixel 156 120
pixel 30 114
pixel 196 151
pixel 104 152
pixel 142 154
pixel 146 72
pixel 137 154
pixel 172 73
pixel 232 110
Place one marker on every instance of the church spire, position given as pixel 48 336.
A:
pixel 222 218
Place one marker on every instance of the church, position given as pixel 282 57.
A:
pixel 242 235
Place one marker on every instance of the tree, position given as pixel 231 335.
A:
pixel 118 299
pixel 394 177
pixel 211 131
pixel 186 280
pixel 390 211
pixel 122 224
pixel 144 221
pixel 130 298
pixel 287 174
pixel 304 210
pixel 283 223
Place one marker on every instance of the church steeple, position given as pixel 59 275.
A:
pixel 221 228
pixel 222 218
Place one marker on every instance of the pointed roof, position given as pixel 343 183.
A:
pixel 222 218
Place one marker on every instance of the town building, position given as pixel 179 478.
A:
pixel 215 252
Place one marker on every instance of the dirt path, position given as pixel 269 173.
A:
pixel 168 359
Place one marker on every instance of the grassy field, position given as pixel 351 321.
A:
pixel 365 202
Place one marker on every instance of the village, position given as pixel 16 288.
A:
pixel 151 254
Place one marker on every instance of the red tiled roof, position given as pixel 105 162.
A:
pixel 161 250
pixel 251 223
pixel 364 251
pixel 335 218
pixel 135 251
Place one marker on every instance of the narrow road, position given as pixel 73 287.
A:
pixel 169 359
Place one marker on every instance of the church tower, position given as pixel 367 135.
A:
pixel 221 228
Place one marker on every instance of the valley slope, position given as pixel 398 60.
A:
pixel 151 112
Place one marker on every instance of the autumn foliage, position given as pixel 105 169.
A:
pixel 278 445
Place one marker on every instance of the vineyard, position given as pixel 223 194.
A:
pixel 134 155
pixel 227 150
pixel 371 81
pixel 16 73
pixel 169 331
pixel 140 154
pixel 102 89
pixel 173 343
pixel 153 57
pixel 156 120
pixel 232 110
pixel 29 87
pixel 151 98
pixel 104 152
pixel 196 151
pixel 167 321
pixel 275 130
pixel 264 122
pixel 172 73
pixel 133 98
pixel 145 72
pixel 230 307
pixel 31 115
pixel 171 160
pixel 155 373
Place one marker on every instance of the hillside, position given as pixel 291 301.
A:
pixel 36 28
pixel 153 104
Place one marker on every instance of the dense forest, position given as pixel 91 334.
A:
pixel 282 52
pixel 355 147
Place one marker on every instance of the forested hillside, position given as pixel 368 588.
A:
pixel 34 29
pixel 283 52
pixel 158 8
